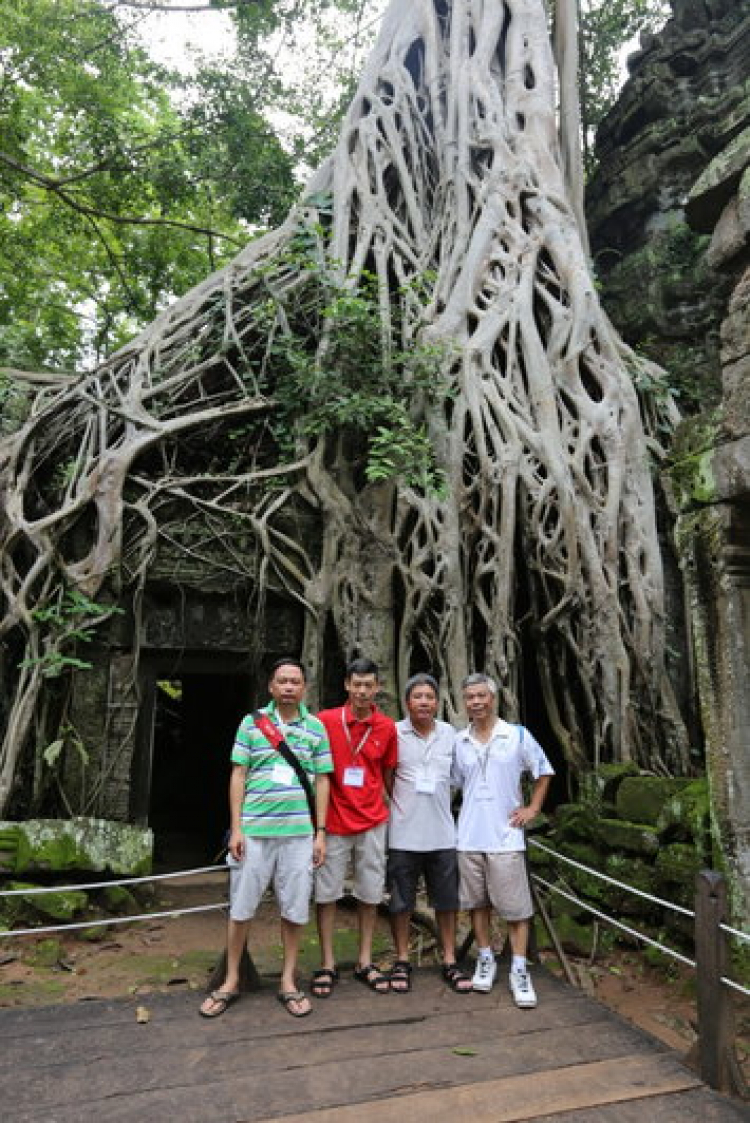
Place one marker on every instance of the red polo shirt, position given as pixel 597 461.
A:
pixel 370 745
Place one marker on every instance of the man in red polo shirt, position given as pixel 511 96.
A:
pixel 364 749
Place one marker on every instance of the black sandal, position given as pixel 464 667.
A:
pixel 454 976
pixel 372 978
pixel 323 982
pixel 401 973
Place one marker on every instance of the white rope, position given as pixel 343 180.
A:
pixel 109 920
pixel 31 891
pixel 735 932
pixel 735 986
pixel 608 919
pixel 613 881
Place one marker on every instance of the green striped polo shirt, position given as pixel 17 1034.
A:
pixel 275 806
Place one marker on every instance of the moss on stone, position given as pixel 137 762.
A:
pixel 93 845
pixel 117 898
pixel 634 838
pixel 599 787
pixel 640 799
pixel 44 953
pixel 574 822
pixel 686 817
pixel 677 864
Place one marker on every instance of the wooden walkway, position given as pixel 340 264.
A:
pixel 429 1056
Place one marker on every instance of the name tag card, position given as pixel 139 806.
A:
pixel 354 777
pixel 426 785
pixel 282 774
pixel 484 792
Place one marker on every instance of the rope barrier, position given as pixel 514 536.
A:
pixel 110 920
pixel 614 881
pixel 616 923
pixel 31 891
pixel 736 933
pixel 735 986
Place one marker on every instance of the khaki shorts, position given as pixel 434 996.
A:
pixel 368 857
pixel 285 862
pixel 497 880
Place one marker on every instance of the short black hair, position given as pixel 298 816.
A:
pixel 287 662
pixel 362 666
pixel 422 679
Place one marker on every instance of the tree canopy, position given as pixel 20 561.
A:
pixel 438 227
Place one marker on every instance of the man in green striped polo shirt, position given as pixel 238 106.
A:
pixel 271 836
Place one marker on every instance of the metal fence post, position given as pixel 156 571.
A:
pixel 715 1007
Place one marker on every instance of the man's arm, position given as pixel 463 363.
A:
pixel 522 816
pixel 236 796
pixel 322 791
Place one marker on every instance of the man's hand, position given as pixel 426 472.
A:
pixel 522 816
pixel 319 849
pixel 237 845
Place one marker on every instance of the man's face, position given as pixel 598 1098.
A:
pixel 422 704
pixel 479 701
pixel 287 685
pixel 361 689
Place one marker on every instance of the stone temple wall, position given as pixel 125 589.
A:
pixel 687 98
pixel 669 214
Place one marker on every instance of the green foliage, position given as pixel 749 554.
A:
pixel 605 27
pixel 121 184
pixel 66 622
pixel 336 370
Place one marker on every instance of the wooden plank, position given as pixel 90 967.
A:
pixel 519 1097
pixel 701 1105
pixel 314 1071
pixel 48 1034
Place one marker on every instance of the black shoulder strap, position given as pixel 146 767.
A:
pixel 272 734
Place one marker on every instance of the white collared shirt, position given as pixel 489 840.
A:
pixel 490 776
pixel 422 820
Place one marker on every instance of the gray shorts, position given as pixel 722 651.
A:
pixel 285 862
pixel 497 880
pixel 368 857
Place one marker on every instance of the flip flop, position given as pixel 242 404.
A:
pixel 372 978
pixel 286 997
pixel 323 981
pixel 223 999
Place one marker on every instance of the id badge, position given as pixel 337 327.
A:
pixel 484 792
pixel 282 774
pixel 426 785
pixel 354 777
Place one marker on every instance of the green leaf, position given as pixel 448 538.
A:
pixel 465 1051
pixel 52 752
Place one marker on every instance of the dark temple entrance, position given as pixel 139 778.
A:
pixel 195 717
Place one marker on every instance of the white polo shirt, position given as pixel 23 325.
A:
pixel 490 776
pixel 421 816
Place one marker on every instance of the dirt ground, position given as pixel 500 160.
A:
pixel 137 958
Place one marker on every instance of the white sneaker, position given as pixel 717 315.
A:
pixel 484 975
pixel 523 992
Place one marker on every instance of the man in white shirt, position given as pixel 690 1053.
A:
pixel 422 833
pixel 490 758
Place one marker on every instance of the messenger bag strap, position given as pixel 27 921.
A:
pixel 272 734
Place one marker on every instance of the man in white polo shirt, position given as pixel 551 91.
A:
pixel 422 834
pixel 490 758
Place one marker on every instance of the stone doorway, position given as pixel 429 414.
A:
pixel 195 714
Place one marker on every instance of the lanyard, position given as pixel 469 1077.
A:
pixel 427 745
pixel 348 736
pixel 483 756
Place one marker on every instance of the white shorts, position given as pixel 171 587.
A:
pixel 287 862
pixel 368 854
pixel 499 880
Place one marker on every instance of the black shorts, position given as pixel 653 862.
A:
pixel 440 870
